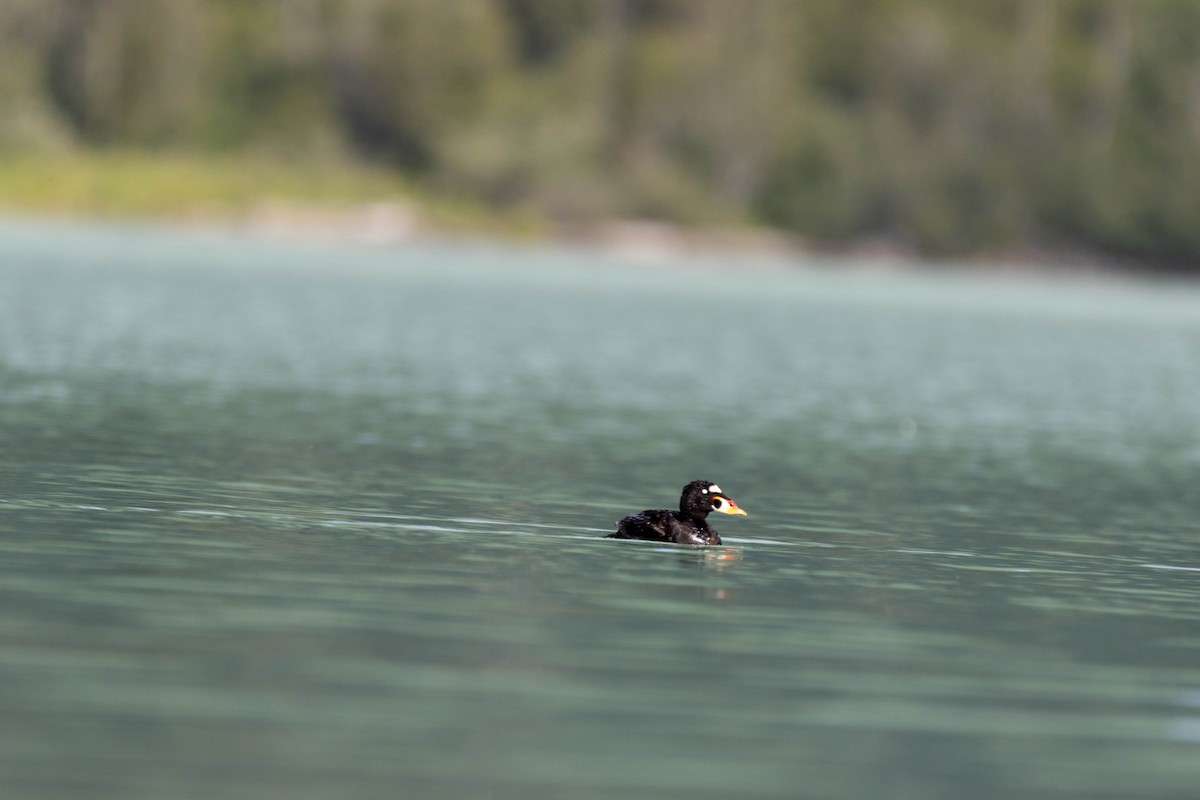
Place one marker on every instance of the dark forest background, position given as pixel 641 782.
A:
pixel 946 126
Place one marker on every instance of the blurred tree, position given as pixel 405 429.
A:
pixel 127 71
pixel 30 119
pixel 545 29
pixel 1113 40
pixel 410 71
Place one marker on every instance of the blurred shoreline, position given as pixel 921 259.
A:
pixel 1024 131
pixel 349 203
pixel 651 243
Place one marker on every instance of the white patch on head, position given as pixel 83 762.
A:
pixel 704 491
pixel 714 489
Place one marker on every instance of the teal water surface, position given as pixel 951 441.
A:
pixel 280 522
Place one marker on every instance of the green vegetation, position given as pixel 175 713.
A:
pixel 945 126
pixel 137 184
pixel 119 183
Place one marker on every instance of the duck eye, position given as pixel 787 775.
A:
pixel 718 503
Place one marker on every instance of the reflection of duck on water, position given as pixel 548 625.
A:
pixel 688 525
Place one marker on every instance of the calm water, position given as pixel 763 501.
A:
pixel 326 523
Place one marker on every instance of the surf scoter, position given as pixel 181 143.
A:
pixel 688 525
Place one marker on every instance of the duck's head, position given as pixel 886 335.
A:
pixel 699 498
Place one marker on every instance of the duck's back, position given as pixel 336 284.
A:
pixel 661 525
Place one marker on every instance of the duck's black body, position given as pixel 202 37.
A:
pixel 688 525
pixel 661 525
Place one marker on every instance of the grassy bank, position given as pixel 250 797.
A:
pixel 123 185
pixel 126 184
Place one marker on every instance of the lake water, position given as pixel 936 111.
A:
pixel 327 522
